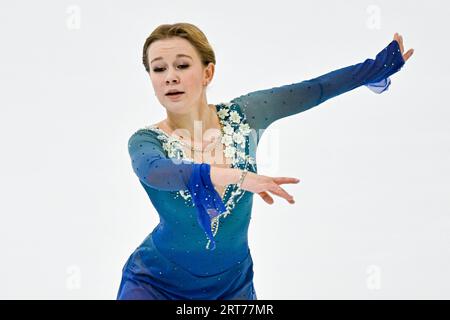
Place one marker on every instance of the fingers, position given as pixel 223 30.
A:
pixel 408 54
pixel 277 190
pixel 402 48
pixel 281 180
pixel 396 36
pixel 399 39
pixel 266 197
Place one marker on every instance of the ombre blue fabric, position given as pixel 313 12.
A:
pixel 208 201
pixel 380 86
pixel 172 261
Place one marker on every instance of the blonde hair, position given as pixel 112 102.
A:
pixel 183 30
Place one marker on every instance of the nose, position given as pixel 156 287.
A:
pixel 172 77
pixel 173 80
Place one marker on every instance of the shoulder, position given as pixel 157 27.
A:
pixel 145 134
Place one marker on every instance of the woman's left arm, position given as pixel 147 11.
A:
pixel 263 107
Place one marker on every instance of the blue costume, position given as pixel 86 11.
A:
pixel 187 255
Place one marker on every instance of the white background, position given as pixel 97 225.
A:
pixel 372 212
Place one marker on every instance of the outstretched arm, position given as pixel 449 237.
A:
pixel 154 169
pixel 263 107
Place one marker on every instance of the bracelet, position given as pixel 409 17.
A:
pixel 241 179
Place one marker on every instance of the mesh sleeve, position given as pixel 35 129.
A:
pixel 157 171
pixel 153 168
pixel 265 106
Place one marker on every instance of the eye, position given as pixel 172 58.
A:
pixel 184 66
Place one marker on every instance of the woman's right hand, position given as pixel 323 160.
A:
pixel 262 185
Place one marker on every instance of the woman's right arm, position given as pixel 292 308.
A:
pixel 155 170
pixel 151 165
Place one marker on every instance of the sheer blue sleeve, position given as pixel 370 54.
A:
pixel 380 86
pixel 157 171
pixel 208 202
pixel 263 107
pixel 153 168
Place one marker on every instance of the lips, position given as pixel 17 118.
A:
pixel 174 93
pixel 175 96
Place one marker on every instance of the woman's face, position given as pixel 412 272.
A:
pixel 175 64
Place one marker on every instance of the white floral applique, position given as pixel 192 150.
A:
pixel 234 117
pixel 235 131
pixel 222 113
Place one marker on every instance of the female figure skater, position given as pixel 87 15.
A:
pixel 202 187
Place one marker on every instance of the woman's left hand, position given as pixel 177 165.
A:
pixel 408 53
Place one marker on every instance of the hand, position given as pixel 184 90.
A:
pixel 263 185
pixel 399 39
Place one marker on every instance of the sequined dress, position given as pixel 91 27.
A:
pixel 181 258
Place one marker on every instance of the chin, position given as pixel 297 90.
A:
pixel 179 107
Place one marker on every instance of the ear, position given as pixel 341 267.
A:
pixel 209 72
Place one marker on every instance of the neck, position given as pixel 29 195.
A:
pixel 194 123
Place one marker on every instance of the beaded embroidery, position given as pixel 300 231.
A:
pixel 235 131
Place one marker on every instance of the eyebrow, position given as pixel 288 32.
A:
pixel 178 55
